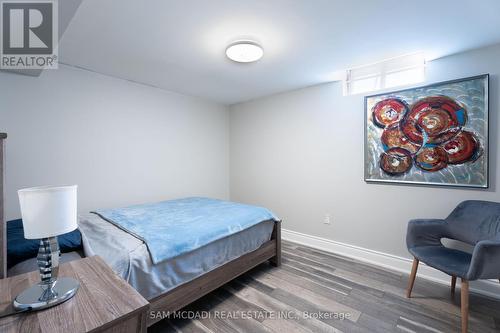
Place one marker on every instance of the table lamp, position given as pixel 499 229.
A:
pixel 47 212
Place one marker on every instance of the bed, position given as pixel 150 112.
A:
pixel 182 278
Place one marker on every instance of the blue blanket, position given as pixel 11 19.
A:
pixel 174 227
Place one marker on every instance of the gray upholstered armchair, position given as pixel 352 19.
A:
pixel 474 222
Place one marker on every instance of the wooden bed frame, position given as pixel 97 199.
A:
pixel 189 292
pixel 184 294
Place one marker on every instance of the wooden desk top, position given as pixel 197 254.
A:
pixel 102 299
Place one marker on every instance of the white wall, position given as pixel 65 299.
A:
pixel 301 154
pixel 298 153
pixel 121 142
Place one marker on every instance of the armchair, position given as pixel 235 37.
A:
pixel 474 222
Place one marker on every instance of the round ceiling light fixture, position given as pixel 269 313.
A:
pixel 244 51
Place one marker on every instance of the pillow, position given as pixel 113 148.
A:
pixel 31 265
pixel 20 249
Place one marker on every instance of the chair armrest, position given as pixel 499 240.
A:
pixel 485 261
pixel 426 232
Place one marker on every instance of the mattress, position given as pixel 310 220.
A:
pixel 129 257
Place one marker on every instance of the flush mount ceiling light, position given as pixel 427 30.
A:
pixel 244 51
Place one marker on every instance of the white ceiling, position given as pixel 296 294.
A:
pixel 179 44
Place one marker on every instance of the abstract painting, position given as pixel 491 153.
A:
pixel 434 135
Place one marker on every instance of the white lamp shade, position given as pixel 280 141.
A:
pixel 48 211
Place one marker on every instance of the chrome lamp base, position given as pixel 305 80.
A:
pixel 51 290
pixel 38 297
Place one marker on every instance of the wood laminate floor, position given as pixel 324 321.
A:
pixel 315 291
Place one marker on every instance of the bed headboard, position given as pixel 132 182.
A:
pixel 3 226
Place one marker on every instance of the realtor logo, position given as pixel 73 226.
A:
pixel 29 34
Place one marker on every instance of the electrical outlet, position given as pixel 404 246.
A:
pixel 327 219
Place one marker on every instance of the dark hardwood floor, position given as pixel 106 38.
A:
pixel 315 291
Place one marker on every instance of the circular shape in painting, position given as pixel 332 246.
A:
pixel 393 137
pixel 462 148
pixel 434 119
pixel 388 111
pixel 395 161
pixel 431 159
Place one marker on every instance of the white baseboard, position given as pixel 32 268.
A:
pixel 485 287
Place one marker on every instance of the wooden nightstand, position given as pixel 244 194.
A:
pixel 104 303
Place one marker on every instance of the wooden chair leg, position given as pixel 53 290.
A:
pixel 453 284
pixel 465 305
pixel 413 274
